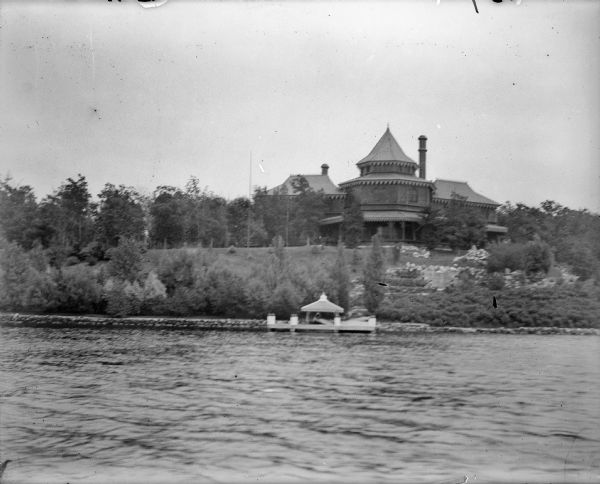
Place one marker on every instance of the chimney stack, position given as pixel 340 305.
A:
pixel 324 168
pixel 422 156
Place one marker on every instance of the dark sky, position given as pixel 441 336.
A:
pixel 508 98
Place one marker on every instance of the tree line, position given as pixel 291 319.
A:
pixel 70 226
pixel 70 223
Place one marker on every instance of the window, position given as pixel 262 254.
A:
pixel 413 195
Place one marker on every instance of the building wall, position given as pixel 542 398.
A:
pixel 393 195
pixel 335 206
pixel 388 168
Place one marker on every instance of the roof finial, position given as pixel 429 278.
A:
pixel 388 125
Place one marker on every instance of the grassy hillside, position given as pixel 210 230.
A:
pixel 239 283
pixel 241 258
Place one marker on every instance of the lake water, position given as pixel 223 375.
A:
pixel 114 405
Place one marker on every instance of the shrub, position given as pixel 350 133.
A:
pixel 284 300
pixel 373 276
pixel 57 255
pixel 125 260
pixel 38 259
pixel 356 259
pixel 506 256
pixel 340 278
pixel 71 261
pixel 177 271
pixel 41 294
pixel 257 298
pixel 494 281
pixel 580 256
pixel 309 281
pixel 78 290
pixel 184 301
pixel 225 292
pixel 123 298
pixel 154 294
pixel 538 257
pixel 92 253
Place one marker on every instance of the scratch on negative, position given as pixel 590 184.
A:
pixel 152 4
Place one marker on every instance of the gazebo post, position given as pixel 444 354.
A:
pixel 337 321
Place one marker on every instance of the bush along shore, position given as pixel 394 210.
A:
pixel 227 288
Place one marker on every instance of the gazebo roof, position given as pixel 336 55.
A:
pixel 386 149
pixel 323 305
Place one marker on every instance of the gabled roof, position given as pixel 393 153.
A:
pixel 444 189
pixel 316 182
pixel 387 149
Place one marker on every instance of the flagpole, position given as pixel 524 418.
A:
pixel 249 203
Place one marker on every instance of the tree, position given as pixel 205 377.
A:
pixel 340 278
pixel 237 220
pixel 18 213
pixel 430 229
pixel 272 211
pixel 205 216
pixel 352 221
pixel 120 214
pixel 538 257
pixel 167 212
pixel 462 226
pixel 14 276
pixel 573 234
pixel 309 210
pixel 300 185
pixel 67 216
pixel 24 282
pixel 523 222
pixel 373 276
pixel 237 223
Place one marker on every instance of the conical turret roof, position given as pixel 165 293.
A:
pixel 386 149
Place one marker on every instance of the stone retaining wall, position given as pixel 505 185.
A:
pixel 390 327
pixel 57 321
pixel 51 320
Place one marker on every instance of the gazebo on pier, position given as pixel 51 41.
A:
pixel 323 305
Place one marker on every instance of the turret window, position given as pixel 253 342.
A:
pixel 413 195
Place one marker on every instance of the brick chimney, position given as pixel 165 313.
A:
pixel 324 168
pixel 422 156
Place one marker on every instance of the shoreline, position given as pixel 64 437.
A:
pixel 232 324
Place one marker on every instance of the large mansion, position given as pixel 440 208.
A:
pixel 393 199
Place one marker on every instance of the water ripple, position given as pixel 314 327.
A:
pixel 103 405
